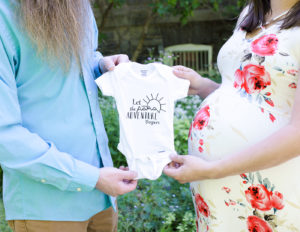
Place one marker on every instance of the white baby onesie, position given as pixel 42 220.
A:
pixel 145 97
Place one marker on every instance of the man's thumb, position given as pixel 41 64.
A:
pixel 129 175
pixel 107 64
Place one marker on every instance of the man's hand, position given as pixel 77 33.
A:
pixel 108 63
pixel 187 168
pixel 114 182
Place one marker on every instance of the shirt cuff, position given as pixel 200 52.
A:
pixel 67 173
pixel 96 66
pixel 85 178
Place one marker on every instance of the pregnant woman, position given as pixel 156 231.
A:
pixel 244 143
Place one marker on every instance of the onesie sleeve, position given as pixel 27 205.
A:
pixel 179 87
pixel 106 83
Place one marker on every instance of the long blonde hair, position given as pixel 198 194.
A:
pixel 58 28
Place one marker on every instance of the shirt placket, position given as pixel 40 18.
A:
pixel 92 94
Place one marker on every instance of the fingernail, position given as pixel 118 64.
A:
pixel 111 68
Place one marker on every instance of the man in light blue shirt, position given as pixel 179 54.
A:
pixel 53 146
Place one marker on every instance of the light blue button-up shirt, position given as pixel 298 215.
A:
pixel 52 137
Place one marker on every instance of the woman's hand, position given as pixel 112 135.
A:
pixel 187 168
pixel 191 75
pixel 108 63
pixel 198 85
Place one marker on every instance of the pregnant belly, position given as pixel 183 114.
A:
pixel 227 123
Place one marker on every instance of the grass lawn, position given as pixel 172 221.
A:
pixel 3 225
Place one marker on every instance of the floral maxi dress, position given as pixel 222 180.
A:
pixel 259 80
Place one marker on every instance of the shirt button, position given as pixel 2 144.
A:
pixel 89 93
pixel 78 189
pixel 43 180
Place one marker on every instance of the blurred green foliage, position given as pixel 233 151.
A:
pixel 162 205
pixel 3 224
pixel 185 8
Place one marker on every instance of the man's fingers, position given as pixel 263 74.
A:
pixel 109 64
pixel 129 175
pixel 122 59
pixel 177 158
pixel 124 168
pixel 127 187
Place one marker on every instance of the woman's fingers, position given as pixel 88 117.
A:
pixel 174 164
pixel 174 169
pixel 181 71
pixel 177 158
pixel 170 171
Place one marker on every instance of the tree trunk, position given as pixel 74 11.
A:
pixel 143 36
pixel 104 14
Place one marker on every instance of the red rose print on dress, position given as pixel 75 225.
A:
pixel 293 85
pixel 239 79
pixel 272 117
pixel 230 202
pixel 292 72
pixel 259 197
pixel 265 45
pixel 256 224
pixel 226 189
pixel 201 142
pixel 253 78
pixel 200 149
pixel 202 206
pixel 202 118
pixel 277 200
pixel 270 102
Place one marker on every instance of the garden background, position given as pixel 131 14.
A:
pixel 163 205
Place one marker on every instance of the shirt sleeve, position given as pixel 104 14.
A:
pixel 106 83
pixel 27 152
pixel 96 54
pixel 96 66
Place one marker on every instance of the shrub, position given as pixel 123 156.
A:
pixel 162 205
pixel 111 123
pixel 3 224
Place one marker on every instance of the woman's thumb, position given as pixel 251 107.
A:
pixel 177 158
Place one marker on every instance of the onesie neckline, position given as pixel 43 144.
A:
pixel 151 74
